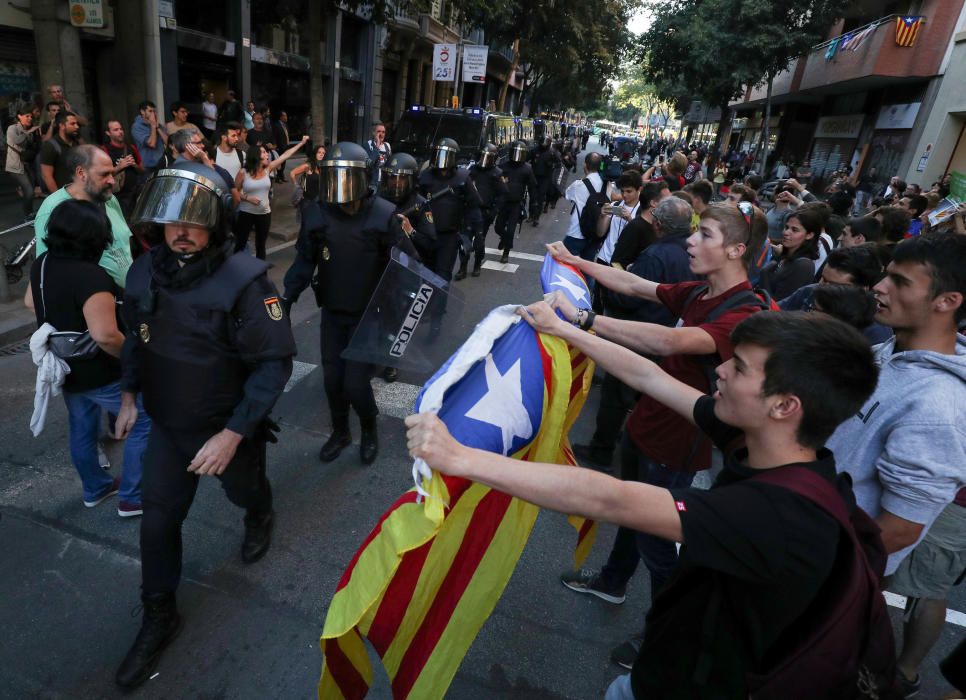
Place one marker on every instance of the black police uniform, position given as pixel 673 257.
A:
pixel 518 178
pixel 417 209
pixel 209 347
pixel 544 162
pixel 343 256
pixel 492 190
pixel 450 212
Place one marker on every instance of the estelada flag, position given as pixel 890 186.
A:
pixel 433 568
pixel 906 30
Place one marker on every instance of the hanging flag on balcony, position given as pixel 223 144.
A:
pixel 906 30
pixel 855 41
pixel 832 48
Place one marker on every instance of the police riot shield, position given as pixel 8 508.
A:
pixel 414 320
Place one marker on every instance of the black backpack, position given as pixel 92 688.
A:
pixel 590 214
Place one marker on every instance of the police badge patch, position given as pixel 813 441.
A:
pixel 429 216
pixel 273 308
pixel 325 253
pixel 144 332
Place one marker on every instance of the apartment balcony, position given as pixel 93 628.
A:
pixel 877 61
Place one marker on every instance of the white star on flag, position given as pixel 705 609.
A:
pixel 502 404
pixel 576 291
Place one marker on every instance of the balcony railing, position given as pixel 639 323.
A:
pixel 843 38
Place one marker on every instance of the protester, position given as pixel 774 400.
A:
pixel 658 447
pixel 906 448
pixel 228 155
pixel 639 233
pixel 55 152
pixel 149 137
pixel 71 292
pixel 859 231
pixel 255 184
pixel 617 218
pixel 179 118
pixel 209 120
pixel 127 165
pixel 578 193
pixel 23 142
pixel 755 556
pixel 379 152
pixel 795 264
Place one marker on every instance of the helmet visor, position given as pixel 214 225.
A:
pixel 444 158
pixel 488 159
pixel 396 186
pixel 178 197
pixel 518 154
pixel 342 184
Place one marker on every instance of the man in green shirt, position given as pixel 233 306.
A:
pixel 93 180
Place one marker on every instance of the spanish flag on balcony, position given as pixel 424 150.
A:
pixel 907 28
pixel 430 573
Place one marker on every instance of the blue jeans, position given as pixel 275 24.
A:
pixel 84 417
pixel 620 689
pixel 659 555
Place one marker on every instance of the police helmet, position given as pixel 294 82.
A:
pixel 444 153
pixel 344 174
pixel 519 152
pixel 547 142
pixel 185 193
pixel 398 177
pixel 488 156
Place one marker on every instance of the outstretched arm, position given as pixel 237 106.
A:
pixel 288 154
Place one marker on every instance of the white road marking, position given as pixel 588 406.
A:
pixel 502 267
pixel 300 370
pixel 899 601
pixel 280 246
pixel 515 254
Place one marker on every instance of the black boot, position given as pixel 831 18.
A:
pixel 461 273
pixel 258 535
pixel 505 258
pixel 369 442
pixel 477 265
pixel 159 626
pixel 338 440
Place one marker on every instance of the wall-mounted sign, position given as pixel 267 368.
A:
pixel 846 126
pixel 86 13
pixel 897 116
pixel 474 63
pixel 444 62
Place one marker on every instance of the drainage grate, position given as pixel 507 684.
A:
pixel 16 348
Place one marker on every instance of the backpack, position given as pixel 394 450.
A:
pixel 841 647
pixel 590 214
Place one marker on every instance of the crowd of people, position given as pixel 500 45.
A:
pixel 807 343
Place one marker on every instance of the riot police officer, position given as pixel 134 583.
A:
pixel 451 211
pixel 342 250
pixel 210 349
pixel 545 160
pixel 488 179
pixel 518 178
pixel 398 185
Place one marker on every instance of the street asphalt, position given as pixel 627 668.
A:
pixel 69 583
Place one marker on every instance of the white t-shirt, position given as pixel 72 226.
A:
pixel 230 161
pixel 578 193
pixel 210 111
pixel 617 226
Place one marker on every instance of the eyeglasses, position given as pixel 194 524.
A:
pixel 747 210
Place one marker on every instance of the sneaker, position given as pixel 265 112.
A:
pixel 126 509
pixel 907 688
pixel 625 653
pixel 103 460
pixel 588 581
pixel 110 491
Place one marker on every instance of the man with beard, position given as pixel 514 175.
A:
pixel 93 179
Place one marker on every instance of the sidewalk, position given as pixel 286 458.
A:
pixel 17 322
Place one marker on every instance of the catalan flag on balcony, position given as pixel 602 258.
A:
pixel 430 573
pixel 907 28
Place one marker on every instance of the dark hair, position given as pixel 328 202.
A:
pixel 253 158
pixel 61 118
pixel 754 182
pixel 651 191
pixel 944 257
pixel 834 226
pixel 862 263
pixel 895 222
pixel 79 229
pixel 228 126
pixel 811 221
pixel 853 305
pixel 746 193
pixel 176 105
pixel 702 189
pixel 868 227
pixel 25 108
pixel 629 178
pixel 145 104
pixel 900 187
pixel 55 104
pixel 917 202
pixel 593 161
pixel 826 363
pixel 840 202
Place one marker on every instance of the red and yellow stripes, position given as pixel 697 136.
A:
pixel 907 28
pixel 421 586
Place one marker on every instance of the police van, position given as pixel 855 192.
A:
pixel 420 127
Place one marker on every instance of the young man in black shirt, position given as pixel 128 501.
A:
pixel 755 555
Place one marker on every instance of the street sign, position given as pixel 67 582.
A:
pixel 444 62
pixel 474 63
pixel 86 13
